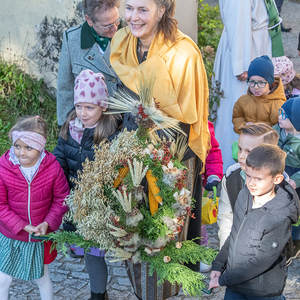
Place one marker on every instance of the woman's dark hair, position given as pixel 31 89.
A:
pixel 107 125
pixel 167 24
pixel 90 7
pixel 30 123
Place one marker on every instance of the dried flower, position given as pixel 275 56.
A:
pixel 167 259
pixel 178 245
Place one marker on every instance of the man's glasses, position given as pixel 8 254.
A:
pixel 113 24
pixel 260 84
pixel 283 114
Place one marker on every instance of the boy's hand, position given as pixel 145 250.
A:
pixel 214 279
pixel 30 229
pixel 215 274
pixel 243 76
pixel 292 183
pixel 42 228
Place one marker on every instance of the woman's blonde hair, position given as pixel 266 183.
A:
pixel 167 24
pixel 30 123
pixel 107 125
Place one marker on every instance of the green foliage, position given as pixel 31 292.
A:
pixel 209 32
pixel 21 95
pixel 175 271
pixel 209 25
pixel 63 237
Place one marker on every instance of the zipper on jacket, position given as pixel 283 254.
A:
pixel 245 215
pixel 79 149
pixel 29 199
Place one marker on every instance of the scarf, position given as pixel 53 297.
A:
pixel 101 40
pixel 274 29
pixel 180 86
pixel 76 130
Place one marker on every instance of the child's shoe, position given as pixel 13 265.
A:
pixel 99 296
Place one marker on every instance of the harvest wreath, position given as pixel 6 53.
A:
pixel 133 199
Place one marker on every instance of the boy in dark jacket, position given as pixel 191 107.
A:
pixel 254 255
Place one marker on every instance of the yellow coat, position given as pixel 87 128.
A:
pixel 180 86
pixel 250 108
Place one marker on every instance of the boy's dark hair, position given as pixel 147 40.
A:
pixel 270 136
pixel 267 156
pixel 30 123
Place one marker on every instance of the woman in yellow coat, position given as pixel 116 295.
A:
pixel 153 45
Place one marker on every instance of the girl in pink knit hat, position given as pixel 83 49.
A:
pixel 284 68
pixel 85 127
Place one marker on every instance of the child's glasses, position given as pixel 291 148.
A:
pixel 260 84
pixel 283 114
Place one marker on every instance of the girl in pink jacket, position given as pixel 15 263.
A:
pixel 32 191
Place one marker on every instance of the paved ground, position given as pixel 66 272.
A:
pixel 69 275
pixel 70 280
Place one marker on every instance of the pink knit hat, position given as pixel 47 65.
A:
pixel 284 68
pixel 91 88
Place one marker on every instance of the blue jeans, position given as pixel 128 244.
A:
pixel 296 233
pixel 231 295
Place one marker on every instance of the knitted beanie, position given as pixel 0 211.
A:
pixel 91 88
pixel 284 68
pixel 292 109
pixel 263 67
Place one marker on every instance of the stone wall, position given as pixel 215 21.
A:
pixel 31 31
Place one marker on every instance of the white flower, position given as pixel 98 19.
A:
pixel 178 245
pixel 184 197
pixel 167 259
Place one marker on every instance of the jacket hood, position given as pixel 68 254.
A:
pixel 285 204
pixel 277 92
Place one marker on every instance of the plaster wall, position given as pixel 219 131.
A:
pixel 31 31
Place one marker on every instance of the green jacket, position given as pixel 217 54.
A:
pixel 291 145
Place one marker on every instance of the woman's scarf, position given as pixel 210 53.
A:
pixel 181 85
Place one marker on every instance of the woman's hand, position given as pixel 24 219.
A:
pixel 293 183
pixel 42 228
pixel 214 279
pixel 30 229
pixel 243 76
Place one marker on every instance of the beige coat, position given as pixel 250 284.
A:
pixel 250 108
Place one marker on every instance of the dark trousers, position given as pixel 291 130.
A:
pixel 231 295
pixel 279 4
pixel 194 229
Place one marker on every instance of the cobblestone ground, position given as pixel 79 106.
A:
pixel 70 280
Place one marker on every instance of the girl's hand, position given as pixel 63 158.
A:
pixel 42 228
pixel 214 279
pixel 293 183
pixel 30 229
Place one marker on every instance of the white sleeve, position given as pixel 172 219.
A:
pixel 225 214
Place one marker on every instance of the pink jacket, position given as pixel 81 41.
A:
pixel 22 203
pixel 214 161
